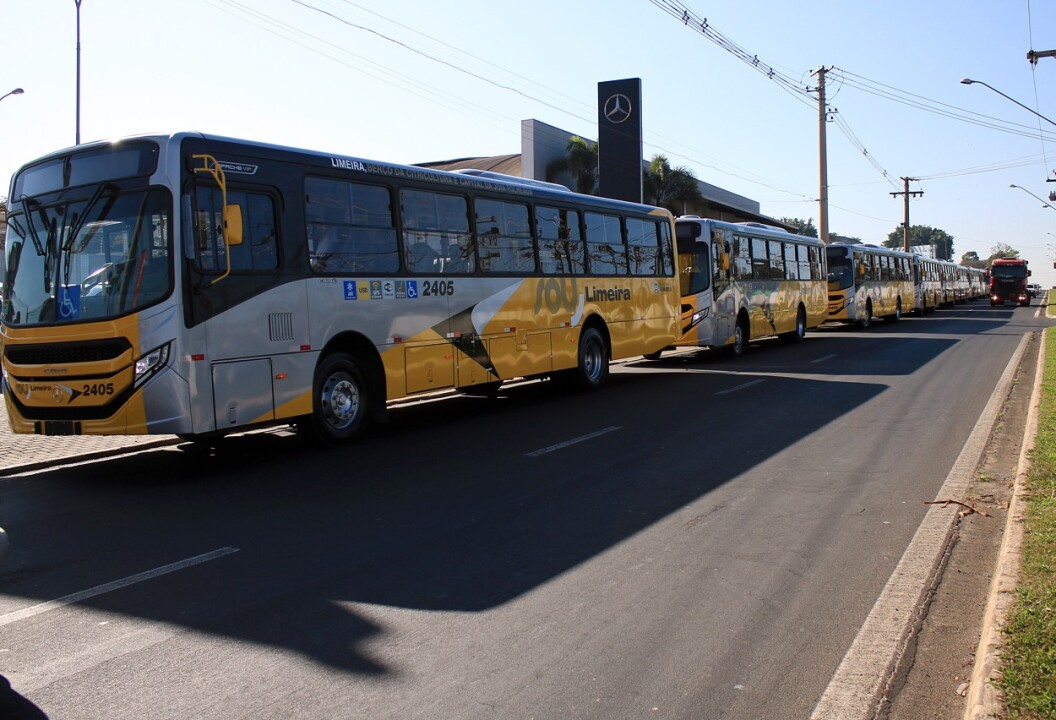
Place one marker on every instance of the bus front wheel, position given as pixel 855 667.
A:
pixel 340 400
pixel 740 337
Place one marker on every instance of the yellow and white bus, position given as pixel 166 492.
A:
pixel 196 285
pixel 929 292
pixel 867 281
pixel 746 281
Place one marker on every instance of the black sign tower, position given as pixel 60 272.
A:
pixel 620 139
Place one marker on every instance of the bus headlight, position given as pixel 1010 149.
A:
pixel 148 365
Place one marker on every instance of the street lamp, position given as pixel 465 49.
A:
pixel 78 137
pixel 1028 192
pixel 969 81
pixel 16 91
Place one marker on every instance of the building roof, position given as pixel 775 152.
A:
pixel 721 204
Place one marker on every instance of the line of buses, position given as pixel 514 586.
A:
pixel 197 285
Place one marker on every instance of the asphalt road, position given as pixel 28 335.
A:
pixel 703 538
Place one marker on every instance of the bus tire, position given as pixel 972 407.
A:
pixel 866 321
pixel 592 363
pixel 741 336
pixel 897 315
pixel 340 401
pixel 800 332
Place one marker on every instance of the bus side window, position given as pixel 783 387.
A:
pixel 350 227
pixel 643 247
pixel 435 226
pixel 605 246
pixel 560 241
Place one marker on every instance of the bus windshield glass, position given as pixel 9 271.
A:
pixel 841 270
pixel 92 253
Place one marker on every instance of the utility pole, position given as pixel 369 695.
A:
pixel 823 163
pixel 906 195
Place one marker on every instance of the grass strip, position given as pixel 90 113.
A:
pixel 1029 654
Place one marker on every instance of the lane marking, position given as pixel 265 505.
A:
pixel 867 671
pixel 44 607
pixel 573 441
pixel 823 359
pixel 739 387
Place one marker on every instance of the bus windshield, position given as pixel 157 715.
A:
pixel 89 254
pixel 841 271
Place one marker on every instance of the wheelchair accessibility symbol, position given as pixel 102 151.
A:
pixel 69 302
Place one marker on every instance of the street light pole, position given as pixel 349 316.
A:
pixel 78 136
pixel 1028 192
pixel 16 91
pixel 969 81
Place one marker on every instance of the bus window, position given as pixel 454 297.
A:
pixel 791 265
pixel 643 247
pixel 695 269
pixel 742 259
pixel 608 254
pixel 350 227
pixel 435 232
pixel 760 264
pixel 560 241
pixel 841 270
pixel 504 237
pixel 257 252
pixel 777 263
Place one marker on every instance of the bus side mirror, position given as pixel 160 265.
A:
pixel 233 224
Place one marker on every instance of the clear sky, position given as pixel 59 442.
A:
pixel 421 80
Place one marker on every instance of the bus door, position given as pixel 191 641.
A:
pixel 724 304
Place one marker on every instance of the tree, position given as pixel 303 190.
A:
pixel 669 187
pixel 924 235
pixel 1001 250
pixel 580 162
pixel 802 227
pixel 971 259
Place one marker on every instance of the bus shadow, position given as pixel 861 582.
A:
pixel 459 506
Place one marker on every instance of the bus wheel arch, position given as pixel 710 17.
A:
pixel 348 391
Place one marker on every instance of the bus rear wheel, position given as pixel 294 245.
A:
pixel 592 363
pixel 340 401
pixel 800 332
pixel 897 314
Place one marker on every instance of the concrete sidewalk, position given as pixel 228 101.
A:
pixel 22 453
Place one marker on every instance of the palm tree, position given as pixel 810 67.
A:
pixel 669 187
pixel 581 162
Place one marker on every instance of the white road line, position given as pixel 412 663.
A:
pixel 573 441
pixel 739 387
pixel 867 670
pixel 29 612
pixel 823 359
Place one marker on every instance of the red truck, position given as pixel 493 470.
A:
pixel 1008 281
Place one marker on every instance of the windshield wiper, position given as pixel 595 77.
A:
pixel 28 204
